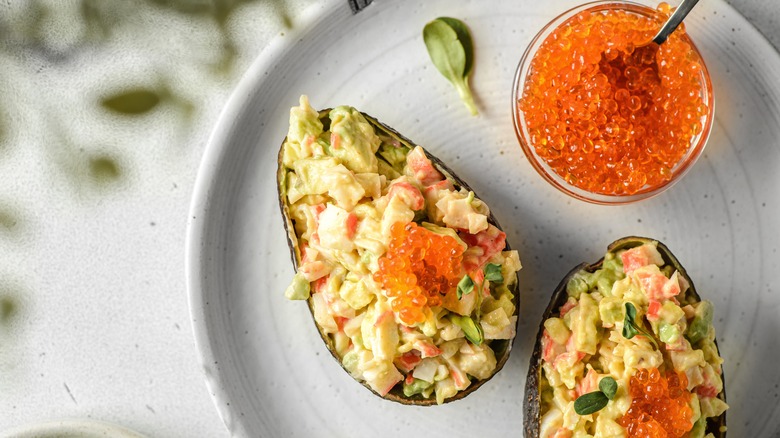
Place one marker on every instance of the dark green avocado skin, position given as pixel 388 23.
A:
pixel 501 348
pixel 532 400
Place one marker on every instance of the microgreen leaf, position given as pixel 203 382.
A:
pixel 464 37
pixel 589 403
pixel 630 312
pixel 471 329
pixel 450 47
pixel 631 328
pixel 629 331
pixel 493 273
pixel 465 286
pixel 609 387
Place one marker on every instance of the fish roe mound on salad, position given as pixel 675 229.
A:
pixel 660 405
pixel 407 274
pixel 418 269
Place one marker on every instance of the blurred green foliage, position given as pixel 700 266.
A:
pixel 103 169
pixel 220 10
pixel 7 219
pixel 8 309
pixel 35 28
pixel 134 101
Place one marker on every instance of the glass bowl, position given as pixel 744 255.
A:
pixel 578 186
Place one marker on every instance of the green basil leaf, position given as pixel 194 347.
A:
pixel 589 403
pixel 465 286
pixel 493 273
pixel 609 387
pixel 451 50
pixel 132 102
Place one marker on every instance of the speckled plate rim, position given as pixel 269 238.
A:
pixel 210 166
pixel 70 428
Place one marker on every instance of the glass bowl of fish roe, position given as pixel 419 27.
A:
pixel 602 116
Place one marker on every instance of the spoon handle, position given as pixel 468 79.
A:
pixel 674 20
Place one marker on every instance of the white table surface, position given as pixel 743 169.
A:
pixel 94 321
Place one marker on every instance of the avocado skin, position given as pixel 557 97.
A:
pixel 532 400
pixel 501 348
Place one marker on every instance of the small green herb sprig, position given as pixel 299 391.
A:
pixel 449 45
pixel 595 401
pixel 465 286
pixel 471 328
pixel 631 328
pixel 493 273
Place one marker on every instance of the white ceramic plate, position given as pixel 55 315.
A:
pixel 265 365
pixel 71 429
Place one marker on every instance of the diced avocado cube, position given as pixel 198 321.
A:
pixel 585 325
pixel 611 310
pixel 356 294
pixel 699 428
pixel 702 321
pixel 578 284
pixel 670 312
pixel 299 288
pixel 612 263
pixel 557 330
pixel 304 121
pixel 357 141
pixel 604 279
pixel 416 387
pixel 395 156
pixel 604 284
pixel 351 361
pixel 668 333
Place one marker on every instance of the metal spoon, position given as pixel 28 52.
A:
pixel 674 20
pixel 650 49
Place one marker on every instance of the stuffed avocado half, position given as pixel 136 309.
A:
pixel 626 348
pixel 407 274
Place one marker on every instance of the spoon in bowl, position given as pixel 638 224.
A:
pixel 674 20
pixel 646 53
pixel 649 50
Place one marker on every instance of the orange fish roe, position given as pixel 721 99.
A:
pixel 418 268
pixel 607 117
pixel 659 405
